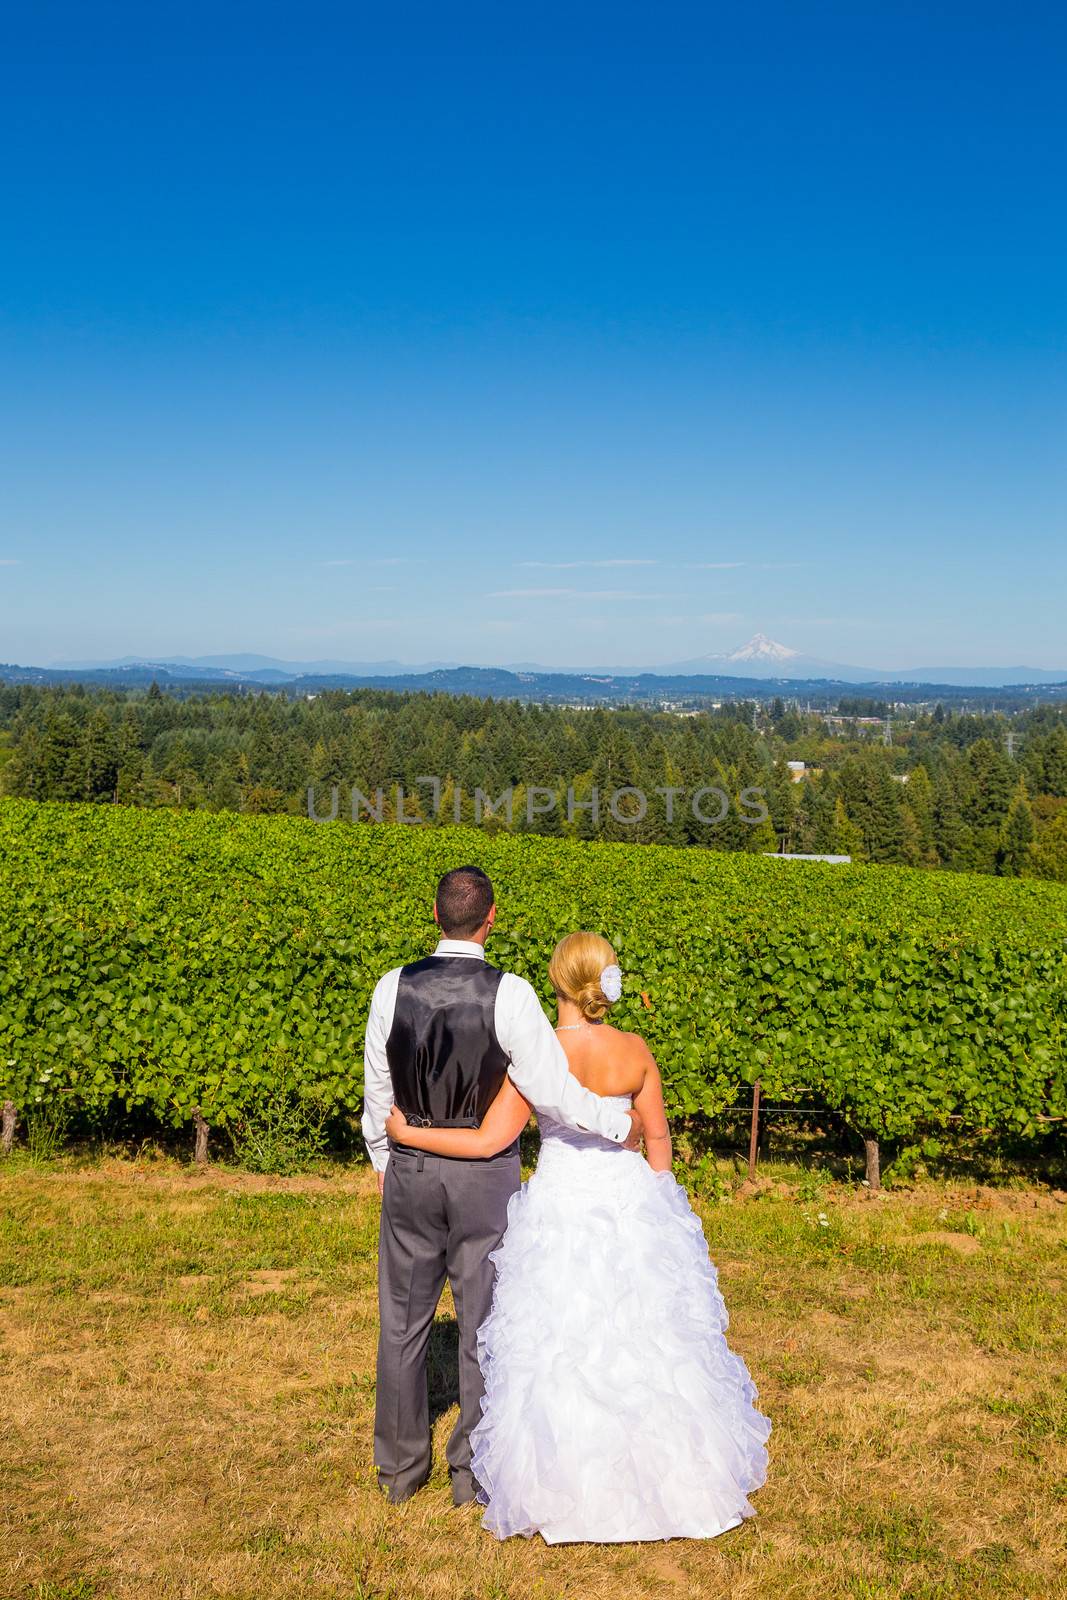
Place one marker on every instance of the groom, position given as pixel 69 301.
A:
pixel 441 1036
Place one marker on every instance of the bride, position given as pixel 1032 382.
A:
pixel 614 1408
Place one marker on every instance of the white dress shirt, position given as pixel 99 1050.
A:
pixel 537 1065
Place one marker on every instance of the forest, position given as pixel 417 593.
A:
pixel 917 786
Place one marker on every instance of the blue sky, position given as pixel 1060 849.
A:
pixel 586 334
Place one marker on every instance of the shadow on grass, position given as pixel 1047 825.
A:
pixel 817 1143
pixel 823 1143
pixel 442 1367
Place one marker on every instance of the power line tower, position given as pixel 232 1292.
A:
pixel 1011 743
pixel 887 731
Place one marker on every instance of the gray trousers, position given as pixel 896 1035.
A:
pixel 440 1218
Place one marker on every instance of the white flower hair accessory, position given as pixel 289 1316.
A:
pixel 611 983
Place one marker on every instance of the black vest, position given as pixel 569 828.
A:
pixel 445 1060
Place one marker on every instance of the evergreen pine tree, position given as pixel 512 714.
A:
pixel 1016 836
pixel 846 837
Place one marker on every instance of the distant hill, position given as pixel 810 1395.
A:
pixel 759 660
pixel 679 690
pixel 248 666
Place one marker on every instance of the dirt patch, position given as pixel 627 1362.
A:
pixel 825 1319
pixel 180 1181
pixel 269 1281
pixel 964 1244
pixel 667 1570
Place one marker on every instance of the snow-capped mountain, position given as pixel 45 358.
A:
pixel 759 657
pixel 760 648
pixel 762 657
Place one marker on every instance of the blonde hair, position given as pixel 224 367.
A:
pixel 574 972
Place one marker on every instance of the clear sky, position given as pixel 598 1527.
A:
pixel 579 334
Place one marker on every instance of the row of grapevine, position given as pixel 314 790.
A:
pixel 168 962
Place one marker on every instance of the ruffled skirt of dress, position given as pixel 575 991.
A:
pixel 614 1409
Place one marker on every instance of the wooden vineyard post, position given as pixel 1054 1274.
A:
pixel 753 1137
pixel 202 1131
pixel 874 1171
pixel 7 1127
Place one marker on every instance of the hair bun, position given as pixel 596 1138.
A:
pixel 591 1000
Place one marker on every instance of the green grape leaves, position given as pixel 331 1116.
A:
pixel 166 960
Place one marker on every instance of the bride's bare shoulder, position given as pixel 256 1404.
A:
pixel 631 1045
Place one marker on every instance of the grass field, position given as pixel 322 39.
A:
pixel 187 1373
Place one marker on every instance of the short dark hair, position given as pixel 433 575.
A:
pixel 463 899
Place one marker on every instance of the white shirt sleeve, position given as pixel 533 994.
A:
pixel 377 1081
pixel 539 1067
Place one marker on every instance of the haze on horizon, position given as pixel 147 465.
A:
pixel 576 339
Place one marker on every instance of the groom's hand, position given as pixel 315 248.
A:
pixel 381 1183
pixel 637 1131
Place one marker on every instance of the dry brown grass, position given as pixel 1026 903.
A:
pixel 187 1362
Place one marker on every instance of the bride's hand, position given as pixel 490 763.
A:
pixel 396 1125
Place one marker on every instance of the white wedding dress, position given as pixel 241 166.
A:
pixel 614 1409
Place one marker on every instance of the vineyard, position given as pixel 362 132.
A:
pixel 182 966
